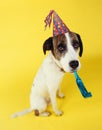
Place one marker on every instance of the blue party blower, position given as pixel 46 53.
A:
pixel 81 86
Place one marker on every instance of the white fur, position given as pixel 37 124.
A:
pixel 47 81
pixel 46 84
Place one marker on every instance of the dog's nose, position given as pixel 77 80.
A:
pixel 74 64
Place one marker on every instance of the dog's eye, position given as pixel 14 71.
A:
pixel 61 47
pixel 75 44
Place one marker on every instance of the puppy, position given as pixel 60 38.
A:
pixel 63 57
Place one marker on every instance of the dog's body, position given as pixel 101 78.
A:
pixel 62 58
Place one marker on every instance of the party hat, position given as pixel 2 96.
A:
pixel 58 25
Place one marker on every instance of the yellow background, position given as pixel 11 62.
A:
pixel 21 38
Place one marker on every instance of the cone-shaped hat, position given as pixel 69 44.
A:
pixel 58 25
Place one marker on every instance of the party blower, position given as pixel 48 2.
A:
pixel 81 86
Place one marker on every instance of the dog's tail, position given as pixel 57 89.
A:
pixel 21 113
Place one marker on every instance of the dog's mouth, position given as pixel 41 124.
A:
pixel 72 70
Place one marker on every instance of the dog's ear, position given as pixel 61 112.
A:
pixel 48 45
pixel 80 44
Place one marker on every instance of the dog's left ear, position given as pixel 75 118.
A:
pixel 48 45
pixel 80 44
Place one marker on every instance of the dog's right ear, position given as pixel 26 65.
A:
pixel 48 45
pixel 80 45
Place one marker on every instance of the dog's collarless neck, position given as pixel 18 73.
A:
pixel 56 62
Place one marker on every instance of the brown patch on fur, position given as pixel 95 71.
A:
pixel 73 37
pixel 62 70
pixel 36 112
pixel 56 41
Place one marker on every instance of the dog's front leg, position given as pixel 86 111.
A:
pixel 60 94
pixel 52 94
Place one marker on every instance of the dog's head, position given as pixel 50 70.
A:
pixel 65 49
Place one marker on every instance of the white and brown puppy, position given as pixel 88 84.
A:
pixel 62 58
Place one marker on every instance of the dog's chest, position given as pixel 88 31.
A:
pixel 49 73
pixel 52 72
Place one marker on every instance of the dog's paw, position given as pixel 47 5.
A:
pixel 45 114
pixel 61 95
pixel 58 113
